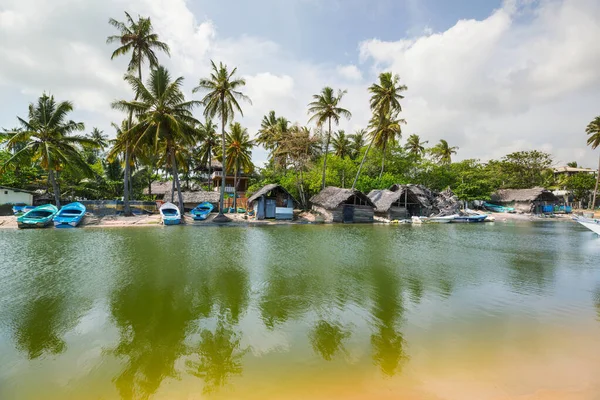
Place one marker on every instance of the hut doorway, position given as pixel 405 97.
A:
pixel 270 206
pixel 348 214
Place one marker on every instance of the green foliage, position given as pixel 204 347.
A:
pixel 581 185
pixel 525 169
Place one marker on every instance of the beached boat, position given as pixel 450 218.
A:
pixel 39 217
pixel 442 220
pixel 21 208
pixel 70 215
pixel 201 211
pixel 169 214
pixel 497 208
pixel 592 224
pixel 470 218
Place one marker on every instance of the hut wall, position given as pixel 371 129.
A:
pixel 329 215
pixel 397 213
pixel 363 214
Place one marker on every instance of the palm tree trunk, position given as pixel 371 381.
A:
pixel 235 181
pixel 362 162
pixel 126 207
pixel 221 217
pixel 326 153
pixel 596 187
pixel 55 189
pixel 176 181
pixel 382 160
pixel 209 166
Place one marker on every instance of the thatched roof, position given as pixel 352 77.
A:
pixel 268 188
pixel 523 195
pixel 332 197
pixel 444 202
pixel 162 188
pixel 196 197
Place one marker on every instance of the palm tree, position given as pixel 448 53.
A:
pixel 137 37
pixel 46 137
pixel 164 118
pixel 384 134
pixel 272 130
pixel 341 144
pixel 222 100
pixel 99 137
pixel 385 100
pixel 324 108
pixel 443 152
pixel 358 142
pixel 210 143
pixel 414 145
pixel 593 130
pixel 238 154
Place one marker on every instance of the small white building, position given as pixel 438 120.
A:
pixel 13 196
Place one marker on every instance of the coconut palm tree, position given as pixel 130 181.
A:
pixel 272 130
pixel 443 152
pixel 414 145
pixel 209 146
pixel 139 39
pixel 45 137
pixel 593 130
pixel 325 108
pixel 222 100
pixel 163 118
pixel 358 142
pixel 238 151
pixel 385 100
pixel 341 144
pixel 99 137
pixel 385 133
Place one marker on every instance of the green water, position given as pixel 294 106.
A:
pixel 266 312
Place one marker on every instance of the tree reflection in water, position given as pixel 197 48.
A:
pixel 327 339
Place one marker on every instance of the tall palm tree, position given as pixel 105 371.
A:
pixel 443 152
pixel 358 142
pixel 341 144
pixel 209 145
pixel 384 134
pixel 164 118
pixel 222 100
pixel 385 100
pixel 239 154
pixel 99 137
pixel 45 137
pixel 272 131
pixel 414 145
pixel 593 130
pixel 137 37
pixel 325 108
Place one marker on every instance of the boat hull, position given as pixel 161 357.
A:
pixel 31 224
pixel 442 220
pixel 39 217
pixel 70 215
pixel 592 224
pixel 201 212
pixel 470 219
pixel 169 214
pixel 171 221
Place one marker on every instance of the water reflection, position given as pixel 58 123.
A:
pixel 532 271
pixel 327 338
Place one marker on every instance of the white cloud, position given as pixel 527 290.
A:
pixel 521 78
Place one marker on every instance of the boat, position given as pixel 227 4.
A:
pixel 497 208
pixel 201 211
pixel 592 224
pixel 442 219
pixel 21 208
pixel 470 218
pixel 169 214
pixel 39 217
pixel 70 215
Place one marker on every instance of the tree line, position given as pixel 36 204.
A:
pixel 160 137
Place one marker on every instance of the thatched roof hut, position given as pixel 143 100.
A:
pixel 526 200
pixel 160 188
pixel 272 201
pixel 402 201
pixel 343 205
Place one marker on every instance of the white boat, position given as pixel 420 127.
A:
pixel 169 214
pixel 442 220
pixel 592 224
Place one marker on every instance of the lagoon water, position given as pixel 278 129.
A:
pixel 494 311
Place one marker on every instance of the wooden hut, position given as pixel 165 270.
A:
pixel 535 200
pixel 272 202
pixel 343 205
pixel 402 201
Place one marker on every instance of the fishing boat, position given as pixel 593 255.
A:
pixel 497 208
pixel 201 211
pixel 39 217
pixel 169 214
pixel 21 208
pixel 470 218
pixel 442 219
pixel 70 215
pixel 592 224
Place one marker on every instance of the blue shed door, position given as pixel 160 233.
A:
pixel 270 209
pixel 348 214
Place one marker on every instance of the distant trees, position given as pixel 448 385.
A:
pixel 525 169
pixel 443 152
pixel 238 149
pixel 593 131
pixel 414 145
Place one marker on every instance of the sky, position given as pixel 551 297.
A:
pixel 489 76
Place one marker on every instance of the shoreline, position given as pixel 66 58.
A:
pixel 305 218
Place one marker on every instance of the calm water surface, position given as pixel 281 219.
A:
pixel 495 311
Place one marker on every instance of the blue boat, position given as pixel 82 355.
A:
pixel 470 218
pixel 21 208
pixel 200 213
pixel 39 217
pixel 170 214
pixel 70 215
pixel 497 208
